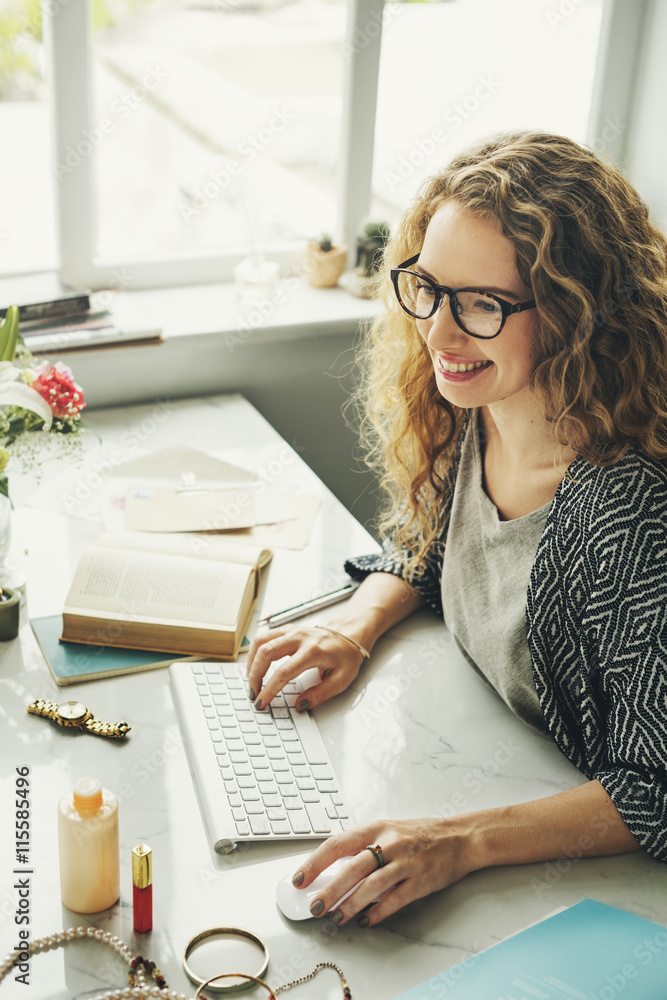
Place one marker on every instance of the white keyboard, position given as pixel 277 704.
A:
pixel 259 775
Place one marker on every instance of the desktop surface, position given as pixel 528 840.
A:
pixel 418 733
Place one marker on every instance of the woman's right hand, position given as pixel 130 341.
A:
pixel 337 661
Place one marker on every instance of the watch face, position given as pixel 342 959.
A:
pixel 72 710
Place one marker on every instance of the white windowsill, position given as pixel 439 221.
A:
pixel 292 311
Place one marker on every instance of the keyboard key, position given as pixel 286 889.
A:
pixel 235 744
pixel 246 716
pixel 250 795
pixel 276 813
pixel 260 764
pixel 229 670
pixel 322 771
pixel 265 721
pixel 255 808
pixel 289 736
pixel 217 688
pixel 230 787
pixel 248 727
pixel 227 772
pixel 220 748
pixel 266 788
pixel 234 800
pixel 314 796
pixel 294 756
pixel 239 814
pixel 319 820
pixel 242 769
pixel 284 776
pixel 287 791
pixel 238 756
pixel 272 800
pixel 341 812
pixel 284 724
pixel 280 828
pixel 247 782
pixel 243 829
pixel 301 771
pixel 211 668
pixel 337 799
pixel 327 786
pixel 271 740
pixel 216 736
pixel 293 803
pixel 332 811
pixel 275 753
pixel 279 713
pixel 212 723
pixel 252 739
pixel 257 751
pixel 305 784
pixel 299 821
pixel 260 826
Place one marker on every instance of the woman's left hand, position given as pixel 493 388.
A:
pixel 420 857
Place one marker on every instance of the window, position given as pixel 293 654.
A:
pixel 188 132
pixel 27 222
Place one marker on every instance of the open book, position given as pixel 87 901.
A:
pixel 175 593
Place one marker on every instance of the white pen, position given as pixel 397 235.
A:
pixel 299 610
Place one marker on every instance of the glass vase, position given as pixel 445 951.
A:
pixel 5 529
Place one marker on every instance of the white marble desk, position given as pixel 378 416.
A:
pixel 418 734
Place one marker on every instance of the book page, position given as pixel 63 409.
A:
pixel 195 546
pixel 136 585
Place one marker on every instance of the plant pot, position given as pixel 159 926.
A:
pixel 325 266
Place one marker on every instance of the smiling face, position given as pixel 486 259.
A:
pixel 465 251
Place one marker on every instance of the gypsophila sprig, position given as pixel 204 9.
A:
pixel 40 403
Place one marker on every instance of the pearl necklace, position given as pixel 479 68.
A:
pixel 139 988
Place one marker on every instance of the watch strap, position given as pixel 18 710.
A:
pixel 43 708
pixel 112 730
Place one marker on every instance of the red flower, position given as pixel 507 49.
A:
pixel 64 396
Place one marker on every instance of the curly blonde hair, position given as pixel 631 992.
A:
pixel 597 267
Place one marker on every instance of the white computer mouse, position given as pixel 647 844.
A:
pixel 295 903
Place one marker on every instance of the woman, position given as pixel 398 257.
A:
pixel 517 399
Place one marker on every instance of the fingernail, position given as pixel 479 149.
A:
pixel 362 922
pixel 251 694
pixel 297 879
pixel 258 703
pixel 337 916
pixel 317 907
pixel 303 706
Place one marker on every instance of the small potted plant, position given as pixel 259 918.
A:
pixel 370 246
pixel 326 262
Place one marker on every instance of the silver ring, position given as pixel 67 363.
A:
pixel 376 851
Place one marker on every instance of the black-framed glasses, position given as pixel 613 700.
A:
pixel 477 312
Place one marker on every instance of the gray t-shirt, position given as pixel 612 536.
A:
pixel 485 577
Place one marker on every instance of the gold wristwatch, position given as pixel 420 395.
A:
pixel 74 714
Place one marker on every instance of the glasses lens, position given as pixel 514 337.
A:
pixel 416 293
pixel 479 313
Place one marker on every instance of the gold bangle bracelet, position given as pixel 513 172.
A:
pixel 339 635
pixel 208 984
pixel 216 932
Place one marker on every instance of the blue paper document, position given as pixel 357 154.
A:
pixel 590 951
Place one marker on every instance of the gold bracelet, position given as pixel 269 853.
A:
pixel 217 932
pixel 339 635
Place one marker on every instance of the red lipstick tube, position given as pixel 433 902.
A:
pixel 142 888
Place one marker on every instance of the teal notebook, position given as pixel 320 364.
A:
pixel 73 663
pixel 590 951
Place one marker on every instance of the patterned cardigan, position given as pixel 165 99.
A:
pixel 596 622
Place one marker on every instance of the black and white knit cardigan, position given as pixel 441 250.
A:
pixel 596 621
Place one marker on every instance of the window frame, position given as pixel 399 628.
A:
pixel 68 40
pixel 67 35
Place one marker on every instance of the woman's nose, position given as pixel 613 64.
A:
pixel 443 330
